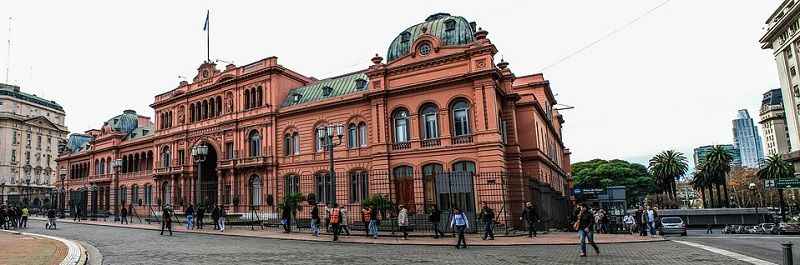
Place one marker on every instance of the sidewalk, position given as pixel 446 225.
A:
pixel 557 238
pixel 31 249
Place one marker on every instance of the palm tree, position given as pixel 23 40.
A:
pixel 667 167
pixel 699 183
pixel 777 168
pixel 717 166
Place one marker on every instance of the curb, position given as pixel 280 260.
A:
pixel 394 243
pixel 76 254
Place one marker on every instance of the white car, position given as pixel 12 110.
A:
pixel 673 225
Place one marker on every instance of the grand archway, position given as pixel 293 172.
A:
pixel 208 177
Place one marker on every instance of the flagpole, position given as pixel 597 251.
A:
pixel 208 37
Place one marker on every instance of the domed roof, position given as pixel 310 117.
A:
pixel 125 122
pixel 77 142
pixel 450 30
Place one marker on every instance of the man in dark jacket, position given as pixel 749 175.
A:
pixel 166 220
pixel 435 218
pixel 215 217
pixel 286 218
pixel 123 219
pixel 487 216
pixel 585 228
pixel 201 212
pixel 641 221
pixel 531 217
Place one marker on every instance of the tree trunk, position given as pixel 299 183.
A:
pixel 782 204
pixel 719 196
pixel 674 190
pixel 727 199
pixel 703 197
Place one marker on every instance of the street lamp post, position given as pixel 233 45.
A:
pixel 752 188
pixel 326 136
pixel 28 197
pixel 2 193
pixel 116 164
pixel 199 154
pixel 62 196
pixel 93 192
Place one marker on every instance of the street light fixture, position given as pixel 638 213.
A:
pixel 326 136
pixel 28 199
pixel 752 188
pixel 2 193
pixel 93 192
pixel 116 164
pixel 199 154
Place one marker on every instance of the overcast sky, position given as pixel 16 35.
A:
pixel 672 80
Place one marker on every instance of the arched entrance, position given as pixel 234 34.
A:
pixel 208 177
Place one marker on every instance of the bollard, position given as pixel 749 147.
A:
pixel 787 253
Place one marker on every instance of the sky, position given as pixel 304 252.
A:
pixel 673 79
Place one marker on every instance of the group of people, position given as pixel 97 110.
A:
pixel 12 217
pixel 194 218
pixel 642 221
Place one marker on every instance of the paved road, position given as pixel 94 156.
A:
pixel 133 246
pixel 764 247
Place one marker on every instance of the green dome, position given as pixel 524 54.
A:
pixel 451 30
pixel 125 122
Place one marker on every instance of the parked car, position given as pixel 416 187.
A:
pixel 786 228
pixel 769 228
pixel 756 229
pixel 673 225
pixel 727 229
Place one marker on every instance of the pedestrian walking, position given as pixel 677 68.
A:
pixel 344 222
pixel 402 221
pixel 334 216
pixel 215 217
pixel 374 223
pixel 531 217
pixel 461 224
pixel 708 229
pixel 189 217
pixel 222 216
pixel 51 219
pixel 651 220
pixel 641 221
pixel 584 225
pixel 487 216
pixel 435 218
pixel 198 219
pixel 166 219
pixel 3 222
pixel 366 212
pixel 123 219
pixel 286 218
pixel 315 220
pixel 24 213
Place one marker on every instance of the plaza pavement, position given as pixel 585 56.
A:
pixel 23 248
pixel 386 237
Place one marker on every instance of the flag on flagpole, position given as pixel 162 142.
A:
pixel 205 25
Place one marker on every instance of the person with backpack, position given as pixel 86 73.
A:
pixel 461 224
pixel 315 220
pixel 435 218
pixel 487 216
pixel 402 221
pixel 334 216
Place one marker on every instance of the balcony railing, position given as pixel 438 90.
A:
pixel 401 146
pixel 427 143
pixel 462 139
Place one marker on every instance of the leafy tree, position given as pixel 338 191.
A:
pixel 777 168
pixel 666 168
pixel 600 174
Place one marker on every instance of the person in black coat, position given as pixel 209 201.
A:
pixel 641 221
pixel 286 218
pixel 487 216
pixel 201 212
pixel 531 217
pixel 215 217
pixel 166 220
pixel 436 218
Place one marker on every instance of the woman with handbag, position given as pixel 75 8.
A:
pixel 584 225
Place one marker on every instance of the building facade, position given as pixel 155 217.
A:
pixel 30 129
pixel 747 140
pixel 781 37
pixel 773 123
pixel 439 123
pixel 701 152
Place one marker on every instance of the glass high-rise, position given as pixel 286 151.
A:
pixel 747 140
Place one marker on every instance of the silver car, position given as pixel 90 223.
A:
pixel 673 225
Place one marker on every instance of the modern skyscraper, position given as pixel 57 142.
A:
pixel 773 123
pixel 701 152
pixel 747 141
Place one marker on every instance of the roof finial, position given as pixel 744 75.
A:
pixel 377 59
pixel 481 34
pixel 503 64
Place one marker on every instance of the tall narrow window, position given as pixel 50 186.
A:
pixel 255 143
pixel 324 187
pixel 359 186
pixel 296 143
pixel 362 134
pixel 246 98
pixel 430 122
pixel 229 154
pixel 287 145
pixel 460 110
pixel 259 96
pixel 429 174
pixel 165 157
pixel 352 136
pixel 401 126
pixel 292 184
pixel 319 140
pixel 255 190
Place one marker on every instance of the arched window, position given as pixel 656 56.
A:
pixel 123 196
pixel 362 134
pixel 97 167
pixel 352 136
pixel 135 195
pixel 255 190
pixel 464 166
pixel 430 173
pixel 124 164
pixel 246 98
pixel 359 185
pixel 324 187
pixel 460 114
pixel 102 166
pixel 292 184
pixel 165 157
pixel 108 165
pixel 430 122
pixel 296 143
pixel 148 194
pixel 205 109
pixel 219 105
pixel 212 107
pixel 320 138
pixel 259 96
pixel 255 143
pixel 191 112
pixel 166 193
pixel 404 186
pixel 287 145
pixel 400 119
